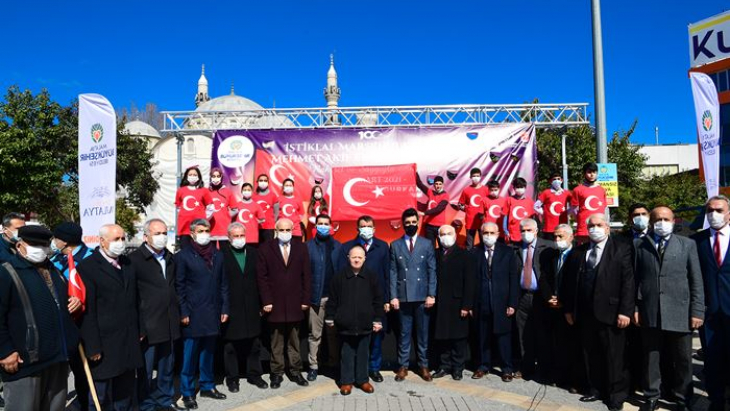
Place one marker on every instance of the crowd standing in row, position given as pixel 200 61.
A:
pixel 594 312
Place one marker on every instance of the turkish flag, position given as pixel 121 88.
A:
pixel 280 171
pixel 76 287
pixel 382 192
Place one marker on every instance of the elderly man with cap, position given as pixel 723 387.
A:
pixel 109 329
pixel 67 250
pixel 35 326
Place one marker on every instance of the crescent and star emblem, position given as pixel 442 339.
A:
pixel 517 217
pixel 186 203
pixel 588 203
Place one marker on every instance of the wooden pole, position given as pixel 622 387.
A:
pixel 90 380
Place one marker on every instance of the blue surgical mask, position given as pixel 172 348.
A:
pixel 323 230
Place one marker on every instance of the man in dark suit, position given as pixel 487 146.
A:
pixel 667 273
pixel 243 328
pixel 378 261
pixel 712 247
pixel 159 316
pixel 531 311
pixel 283 274
pixel 455 293
pixel 11 224
pixel 498 288
pixel 599 298
pixel 412 292
pixel 638 223
pixel 561 337
pixel 109 329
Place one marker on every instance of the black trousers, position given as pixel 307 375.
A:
pixel 603 355
pixel 354 358
pixel 670 350
pixel 81 385
pixel 432 233
pixel 564 366
pixel 236 350
pixel 531 327
pixel 453 354
pixel 485 338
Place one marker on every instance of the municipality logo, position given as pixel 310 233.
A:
pixel 707 120
pixel 97 132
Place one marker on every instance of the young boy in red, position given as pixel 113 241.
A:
pixel 587 199
pixel 552 205
pixel 494 207
pixel 470 203
pixel 519 207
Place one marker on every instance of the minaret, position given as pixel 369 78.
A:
pixel 202 95
pixel 332 92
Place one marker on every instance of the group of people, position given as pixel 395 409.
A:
pixel 595 312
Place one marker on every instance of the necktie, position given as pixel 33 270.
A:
pixel 527 270
pixel 718 254
pixel 367 247
pixel 593 257
pixel 285 253
pixel 660 248
pixel 410 246
pixel 561 259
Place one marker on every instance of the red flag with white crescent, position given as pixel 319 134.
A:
pixel 382 192
pixel 280 171
pixel 76 287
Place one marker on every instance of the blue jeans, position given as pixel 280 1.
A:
pixel 407 314
pixel 153 395
pixel 197 350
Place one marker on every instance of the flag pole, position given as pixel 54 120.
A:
pixel 87 371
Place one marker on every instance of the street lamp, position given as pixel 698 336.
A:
pixel 598 86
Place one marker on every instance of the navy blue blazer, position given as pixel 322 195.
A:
pixel 377 260
pixel 716 279
pixel 503 289
pixel 412 275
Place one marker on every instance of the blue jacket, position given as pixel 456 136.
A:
pixel 202 292
pixel 377 260
pixel 716 279
pixel 412 275
pixel 323 266
pixel 7 250
pixel 61 260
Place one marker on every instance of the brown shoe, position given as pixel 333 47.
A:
pixel 478 374
pixel 517 375
pixel 367 387
pixel 507 377
pixel 346 389
pixel 425 374
pixel 401 374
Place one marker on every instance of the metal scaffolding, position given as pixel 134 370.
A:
pixel 542 115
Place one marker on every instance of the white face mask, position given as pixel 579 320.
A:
pixel 36 255
pixel 520 191
pixel 116 248
pixel 597 234
pixel 202 238
pixel 366 233
pixel 12 235
pixel 663 228
pixel 193 180
pixel 246 194
pixel 528 237
pixel 159 241
pixel 317 196
pixel 238 243
pixel 716 220
pixel 476 180
pixel 284 237
pixel 54 248
pixel 288 189
pixel 556 185
pixel 215 181
pixel 641 222
pixel 447 240
pixel 562 245
pixel 489 240
pixel 263 185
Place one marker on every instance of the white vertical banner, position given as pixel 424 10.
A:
pixel 707 113
pixel 97 165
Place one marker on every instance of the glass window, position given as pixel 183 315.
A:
pixel 713 76
pixel 722 77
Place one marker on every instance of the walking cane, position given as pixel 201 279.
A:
pixel 90 380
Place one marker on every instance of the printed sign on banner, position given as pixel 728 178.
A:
pixel 608 179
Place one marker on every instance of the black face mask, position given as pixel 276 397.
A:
pixel 411 230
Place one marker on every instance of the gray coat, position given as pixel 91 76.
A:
pixel 412 275
pixel 670 293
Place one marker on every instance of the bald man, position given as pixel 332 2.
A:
pixel 670 305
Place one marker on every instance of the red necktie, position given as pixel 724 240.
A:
pixel 410 246
pixel 718 254
pixel 367 247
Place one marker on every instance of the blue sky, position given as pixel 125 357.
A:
pixel 387 53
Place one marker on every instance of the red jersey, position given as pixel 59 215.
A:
pixel 248 214
pixel 266 202
pixel 433 201
pixel 291 208
pixel 221 218
pixel 588 200
pixel 494 209
pixel 472 198
pixel 191 205
pixel 519 209
pixel 318 209
pixel 554 208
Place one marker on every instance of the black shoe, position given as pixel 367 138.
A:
pixel 439 374
pixel 171 407
pixel 276 381
pixel 589 398
pixel 214 394
pixel 457 376
pixel 299 380
pixel 190 403
pixel 258 382
pixel 233 386
pixel 312 375
pixel 375 376
pixel 650 405
pixel 616 407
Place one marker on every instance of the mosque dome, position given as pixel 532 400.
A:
pixel 141 129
